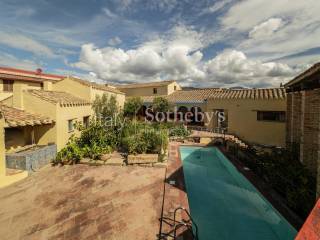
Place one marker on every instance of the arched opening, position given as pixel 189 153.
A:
pixel 181 112
pixel 198 118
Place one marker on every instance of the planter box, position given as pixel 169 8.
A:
pixel 33 158
pixel 142 158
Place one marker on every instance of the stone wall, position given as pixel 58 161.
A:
pixel 31 159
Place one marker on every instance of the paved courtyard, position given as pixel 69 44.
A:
pixel 82 202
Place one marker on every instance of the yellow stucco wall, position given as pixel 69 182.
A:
pixel 86 92
pixel 148 91
pixel 73 87
pixel 57 133
pixel 120 97
pixel 173 87
pixel 28 84
pixel 242 119
pixel 76 113
pixel 2 148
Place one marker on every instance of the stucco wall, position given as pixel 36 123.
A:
pixel 28 84
pixel 145 91
pixel 171 88
pixel 67 113
pixel 47 133
pixel 119 97
pixel 57 133
pixel 86 92
pixel 2 147
pixel 73 87
pixel 242 120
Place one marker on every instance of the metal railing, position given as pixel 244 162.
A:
pixel 184 223
pixel 175 225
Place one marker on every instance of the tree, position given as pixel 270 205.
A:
pixel 132 106
pixel 105 106
pixel 160 104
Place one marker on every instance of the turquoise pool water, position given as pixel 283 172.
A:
pixel 224 204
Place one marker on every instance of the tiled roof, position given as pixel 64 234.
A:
pixel 257 93
pixel 192 96
pixel 202 95
pixel 63 98
pixel 25 75
pixel 141 85
pixel 97 85
pixel 15 117
pixel 309 72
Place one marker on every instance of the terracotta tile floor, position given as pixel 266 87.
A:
pixel 82 202
pixel 175 194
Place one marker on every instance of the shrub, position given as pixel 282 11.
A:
pixel 179 131
pixel 70 154
pixel 132 106
pixel 288 176
pixel 105 106
pixel 160 104
pixel 92 143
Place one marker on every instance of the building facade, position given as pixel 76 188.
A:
pixel 303 119
pixel 256 116
pixel 88 90
pixel 163 88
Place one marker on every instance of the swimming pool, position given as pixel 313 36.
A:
pixel 224 204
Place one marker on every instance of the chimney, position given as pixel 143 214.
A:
pixel 18 88
pixel 39 71
pixel 47 85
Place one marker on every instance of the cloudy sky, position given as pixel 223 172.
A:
pixel 251 43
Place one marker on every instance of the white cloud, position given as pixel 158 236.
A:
pixel 270 37
pixel 178 55
pixel 174 56
pixel 233 68
pixel 114 41
pixel 266 28
pixel 19 41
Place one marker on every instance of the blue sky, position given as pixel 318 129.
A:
pixel 251 43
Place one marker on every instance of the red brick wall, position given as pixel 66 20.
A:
pixel 293 135
pixel 303 128
pixel 311 129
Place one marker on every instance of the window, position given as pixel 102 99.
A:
pixel 70 125
pixel 86 122
pixel 274 116
pixel 175 87
pixel 155 91
pixel 7 85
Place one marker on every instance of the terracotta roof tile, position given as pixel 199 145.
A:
pixel 62 98
pixel 259 93
pixel 201 95
pixel 15 117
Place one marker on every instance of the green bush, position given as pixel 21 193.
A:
pixel 139 137
pixel 132 106
pixel 70 154
pixel 92 143
pixel 288 176
pixel 179 131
